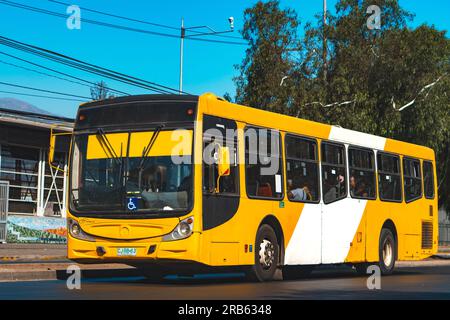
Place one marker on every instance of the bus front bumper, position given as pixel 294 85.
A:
pixel 135 251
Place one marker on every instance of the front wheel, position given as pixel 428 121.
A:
pixel 266 255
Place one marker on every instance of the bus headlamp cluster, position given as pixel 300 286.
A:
pixel 76 231
pixel 182 230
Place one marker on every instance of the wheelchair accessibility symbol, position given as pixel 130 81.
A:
pixel 132 204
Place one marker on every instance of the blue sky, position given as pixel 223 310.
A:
pixel 207 66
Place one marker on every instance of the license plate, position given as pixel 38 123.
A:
pixel 126 251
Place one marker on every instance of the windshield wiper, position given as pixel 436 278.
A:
pixel 146 152
pixel 106 144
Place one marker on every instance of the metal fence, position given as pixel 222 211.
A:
pixel 4 192
pixel 444 234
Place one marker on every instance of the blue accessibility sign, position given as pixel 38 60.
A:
pixel 132 204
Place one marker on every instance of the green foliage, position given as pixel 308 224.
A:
pixel 270 31
pixel 370 74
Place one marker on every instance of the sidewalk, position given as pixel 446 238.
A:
pixel 32 252
pixel 28 262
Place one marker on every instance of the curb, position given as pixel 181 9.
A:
pixel 32 258
pixel 61 274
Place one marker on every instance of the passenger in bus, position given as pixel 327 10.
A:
pixel 358 188
pixel 299 193
pixel 335 189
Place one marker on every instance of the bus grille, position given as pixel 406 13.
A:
pixel 427 235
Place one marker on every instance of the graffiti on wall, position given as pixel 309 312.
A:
pixel 23 229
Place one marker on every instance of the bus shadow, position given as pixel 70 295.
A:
pixel 133 275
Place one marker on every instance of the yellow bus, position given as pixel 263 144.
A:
pixel 169 183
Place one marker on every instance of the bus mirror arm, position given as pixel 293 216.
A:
pixel 51 149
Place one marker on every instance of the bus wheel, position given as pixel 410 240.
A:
pixel 266 255
pixel 387 251
pixel 296 272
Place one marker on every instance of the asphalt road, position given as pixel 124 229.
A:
pixel 324 283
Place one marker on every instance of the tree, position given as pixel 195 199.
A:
pixel 271 34
pixel 100 91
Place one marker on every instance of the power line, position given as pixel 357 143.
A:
pixel 79 66
pixel 86 82
pixel 85 66
pixel 110 25
pixel 40 96
pixel 43 90
pixel 42 73
pixel 118 16
pixel 138 20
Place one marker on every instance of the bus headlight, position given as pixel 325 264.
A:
pixel 182 230
pixel 76 231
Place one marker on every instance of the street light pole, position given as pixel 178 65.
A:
pixel 183 35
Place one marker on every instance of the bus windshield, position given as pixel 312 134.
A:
pixel 132 172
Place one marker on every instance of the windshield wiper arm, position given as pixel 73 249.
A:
pixel 106 144
pixel 149 147
pixel 146 152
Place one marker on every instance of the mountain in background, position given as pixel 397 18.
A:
pixel 19 105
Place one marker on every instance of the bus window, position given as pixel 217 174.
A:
pixel 412 179
pixel 428 179
pixel 263 165
pixel 215 135
pixel 389 179
pixel 302 169
pixel 362 173
pixel 333 172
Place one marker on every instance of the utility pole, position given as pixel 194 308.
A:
pixel 325 49
pixel 183 35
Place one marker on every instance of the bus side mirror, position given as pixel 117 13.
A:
pixel 223 164
pixel 54 141
pixel 51 150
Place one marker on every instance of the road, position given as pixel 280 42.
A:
pixel 424 282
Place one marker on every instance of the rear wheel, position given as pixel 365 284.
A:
pixel 267 254
pixel 296 272
pixel 387 252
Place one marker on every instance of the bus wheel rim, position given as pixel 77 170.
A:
pixel 266 254
pixel 387 253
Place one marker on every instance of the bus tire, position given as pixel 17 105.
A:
pixel 387 251
pixel 267 253
pixel 296 272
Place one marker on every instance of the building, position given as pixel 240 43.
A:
pixel 36 191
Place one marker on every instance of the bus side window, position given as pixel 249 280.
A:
pixel 263 167
pixel 334 183
pixel 362 173
pixel 428 179
pixel 412 179
pixel 389 178
pixel 302 169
